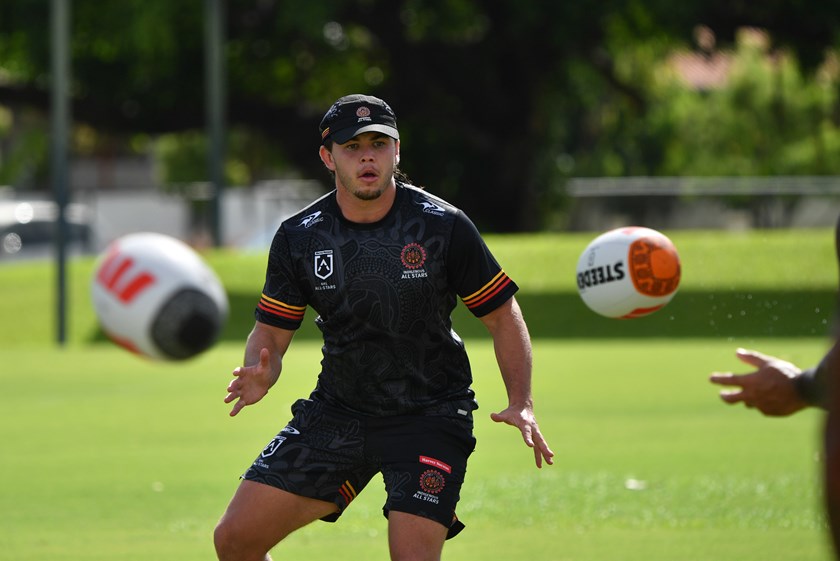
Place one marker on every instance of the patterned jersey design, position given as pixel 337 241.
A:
pixel 384 293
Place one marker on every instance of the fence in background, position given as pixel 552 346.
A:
pixel 703 202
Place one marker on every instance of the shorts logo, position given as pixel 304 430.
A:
pixel 290 429
pixel 324 264
pixel 432 481
pixel 272 446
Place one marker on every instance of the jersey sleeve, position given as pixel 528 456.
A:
pixel 811 385
pixel 281 303
pixel 473 271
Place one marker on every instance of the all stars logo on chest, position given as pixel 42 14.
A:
pixel 413 257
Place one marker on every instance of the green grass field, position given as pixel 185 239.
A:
pixel 107 456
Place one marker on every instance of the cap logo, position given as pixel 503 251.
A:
pixel 351 114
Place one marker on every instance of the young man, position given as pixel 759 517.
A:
pixel 382 263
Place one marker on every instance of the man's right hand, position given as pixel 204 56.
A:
pixel 250 383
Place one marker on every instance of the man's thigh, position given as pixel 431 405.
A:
pixel 414 537
pixel 319 455
pixel 424 461
pixel 261 515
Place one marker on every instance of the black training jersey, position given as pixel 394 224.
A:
pixel 384 293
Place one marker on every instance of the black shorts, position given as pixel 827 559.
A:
pixel 330 454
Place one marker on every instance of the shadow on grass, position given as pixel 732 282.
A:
pixel 563 315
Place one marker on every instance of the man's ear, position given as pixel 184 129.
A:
pixel 327 158
pixel 397 156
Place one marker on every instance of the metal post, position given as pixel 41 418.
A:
pixel 214 41
pixel 59 125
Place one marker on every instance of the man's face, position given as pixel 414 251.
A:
pixel 364 165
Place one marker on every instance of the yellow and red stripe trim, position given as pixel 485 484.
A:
pixel 348 492
pixel 488 291
pixel 281 309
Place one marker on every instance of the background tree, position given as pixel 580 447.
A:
pixel 498 100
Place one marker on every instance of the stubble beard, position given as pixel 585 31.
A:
pixel 364 193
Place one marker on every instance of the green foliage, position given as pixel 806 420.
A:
pixel 183 159
pixel 25 163
pixel 498 103
pixel 767 120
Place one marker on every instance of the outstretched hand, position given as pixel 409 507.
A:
pixel 250 383
pixel 770 388
pixel 523 418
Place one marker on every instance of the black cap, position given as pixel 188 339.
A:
pixel 355 114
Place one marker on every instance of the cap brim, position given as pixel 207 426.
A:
pixel 342 136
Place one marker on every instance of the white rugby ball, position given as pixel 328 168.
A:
pixel 628 272
pixel 155 296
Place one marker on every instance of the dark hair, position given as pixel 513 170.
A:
pixel 401 177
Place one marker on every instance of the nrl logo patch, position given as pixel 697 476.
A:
pixel 324 264
pixel 272 446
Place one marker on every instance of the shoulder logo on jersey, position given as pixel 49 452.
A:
pixel 432 208
pixel 311 220
pixel 413 257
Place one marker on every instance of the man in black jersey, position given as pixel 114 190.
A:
pixel 383 264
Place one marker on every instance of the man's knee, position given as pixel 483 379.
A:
pixel 233 545
pixel 224 540
pixel 414 538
